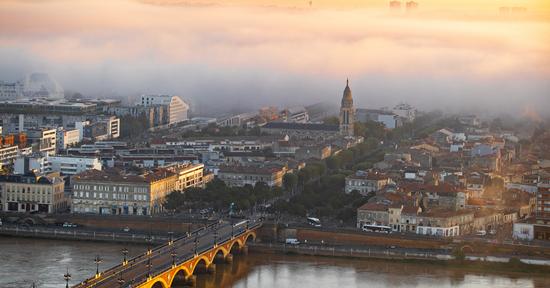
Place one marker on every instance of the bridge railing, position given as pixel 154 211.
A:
pixel 111 271
pixel 161 269
pixel 188 236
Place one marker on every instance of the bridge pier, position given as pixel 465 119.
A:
pixel 191 281
pixel 211 269
pixel 244 250
pixel 229 258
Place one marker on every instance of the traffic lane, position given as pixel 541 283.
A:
pixel 162 258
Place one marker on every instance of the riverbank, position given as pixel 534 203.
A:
pixel 475 263
pixel 44 262
pixel 443 257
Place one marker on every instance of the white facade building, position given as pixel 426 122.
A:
pixel 7 155
pixel 66 138
pixel 46 139
pixel 65 164
pixel 405 111
pixel 11 91
pixel 177 108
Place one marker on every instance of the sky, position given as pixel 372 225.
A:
pixel 238 55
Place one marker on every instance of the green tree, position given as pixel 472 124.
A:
pixel 290 181
pixel 333 120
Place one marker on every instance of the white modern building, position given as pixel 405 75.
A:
pixel 11 90
pixel 67 165
pixel 44 138
pixel 67 137
pixel 405 111
pixel 7 155
pixel 177 108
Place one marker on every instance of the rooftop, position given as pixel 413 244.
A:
pixel 302 126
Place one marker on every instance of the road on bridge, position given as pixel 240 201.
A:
pixel 161 259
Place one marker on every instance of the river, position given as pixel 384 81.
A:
pixel 24 261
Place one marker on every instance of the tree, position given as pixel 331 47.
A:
pixel 174 201
pixel 290 181
pixel 333 120
pixel 334 162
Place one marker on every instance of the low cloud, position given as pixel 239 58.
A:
pixel 243 57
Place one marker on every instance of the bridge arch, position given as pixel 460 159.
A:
pixel 160 284
pixel 180 275
pixel 223 250
pixel 237 242
pixel 202 259
pixel 250 237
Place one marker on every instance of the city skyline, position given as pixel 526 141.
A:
pixel 451 56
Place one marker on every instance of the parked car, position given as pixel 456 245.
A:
pixel 126 229
pixel 292 241
pixel 69 225
pixel 481 233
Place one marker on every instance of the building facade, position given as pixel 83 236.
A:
pixel 32 193
pixel 177 108
pixel 114 192
pixel 237 176
pixel 188 175
pixel 366 183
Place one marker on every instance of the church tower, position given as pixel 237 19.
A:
pixel 347 113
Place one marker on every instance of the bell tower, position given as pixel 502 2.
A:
pixel 347 112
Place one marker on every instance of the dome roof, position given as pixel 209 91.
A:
pixel 347 99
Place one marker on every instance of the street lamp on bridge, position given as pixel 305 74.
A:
pixel 196 244
pixel 216 237
pixel 67 277
pixel 97 260
pixel 124 252
pixel 149 264
pixel 173 254
pixel 171 241
pixel 120 280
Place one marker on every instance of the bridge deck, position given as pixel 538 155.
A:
pixel 137 270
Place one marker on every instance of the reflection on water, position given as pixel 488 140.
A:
pixel 268 271
pixel 45 261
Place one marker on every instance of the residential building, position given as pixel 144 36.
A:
pixel 7 155
pixel 373 214
pixel 543 203
pixel 188 175
pixel 386 118
pixel 112 191
pixel 444 222
pixel 295 115
pixel 33 193
pixel 239 175
pixel 239 120
pixel 104 128
pixel 365 182
pixel 11 90
pixel 44 140
pixel 177 108
pixel 67 138
pixel 405 111
pixel 66 165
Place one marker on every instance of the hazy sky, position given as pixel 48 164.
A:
pixel 245 53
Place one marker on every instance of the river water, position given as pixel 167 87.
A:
pixel 24 261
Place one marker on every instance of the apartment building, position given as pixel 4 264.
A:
pixel 33 193
pixel 113 191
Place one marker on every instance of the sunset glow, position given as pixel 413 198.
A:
pixel 459 42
